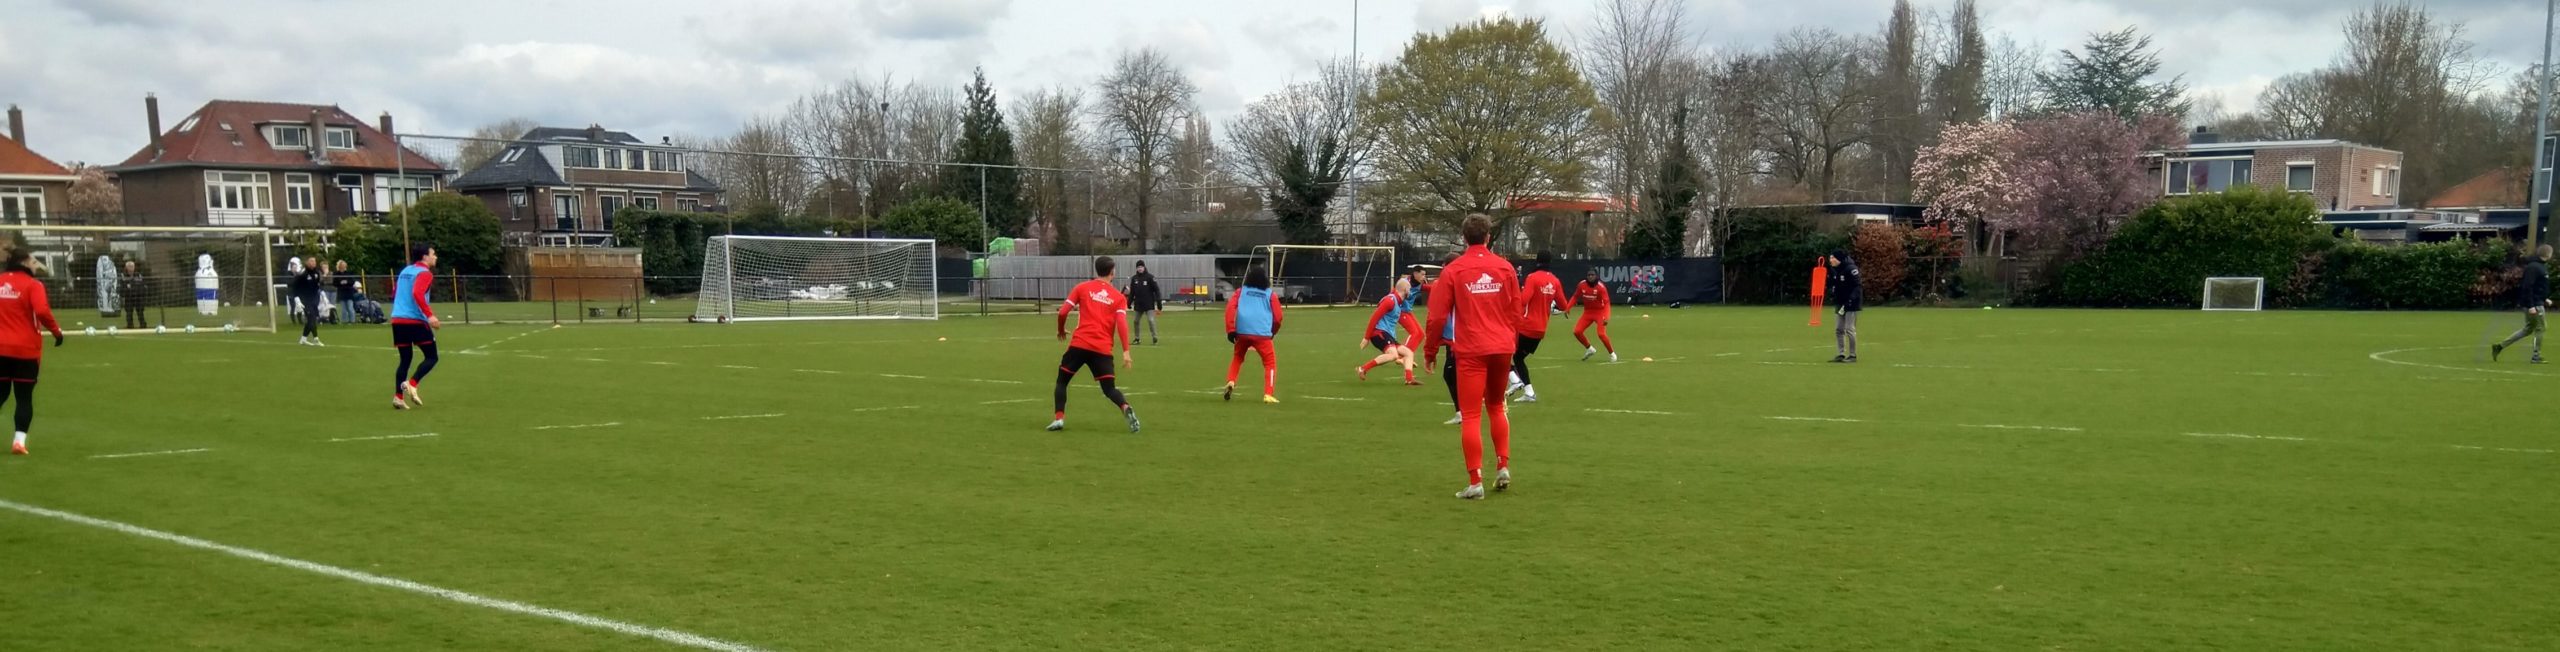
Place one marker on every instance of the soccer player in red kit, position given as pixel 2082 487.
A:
pixel 1542 296
pixel 1480 294
pixel 1099 308
pixel 1593 296
pixel 1253 318
pixel 1394 311
pixel 22 309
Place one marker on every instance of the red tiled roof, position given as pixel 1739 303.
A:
pixel 2499 188
pixel 200 139
pixel 16 159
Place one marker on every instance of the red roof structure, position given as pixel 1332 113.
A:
pixel 226 133
pixel 18 161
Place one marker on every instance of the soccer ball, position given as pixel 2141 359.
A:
pixel 724 319
pixel 93 330
pixel 160 330
pixel 230 328
pixel 191 329
pixel 111 330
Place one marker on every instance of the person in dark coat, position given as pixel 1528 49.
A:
pixel 2533 293
pixel 1145 301
pixel 131 288
pixel 1846 285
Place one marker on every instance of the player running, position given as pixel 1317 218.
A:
pixel 1098 308
pixel 2535 295
pixel 1478 297
pixel 413 324
pixel 1593 296
pixel 1253 318
pixel 23 308
pixel 1394 311
pixel 1542 297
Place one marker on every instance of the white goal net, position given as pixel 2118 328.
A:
pixel 211 278
pixel 1327 273
pixel 2235 293
pixel 767 278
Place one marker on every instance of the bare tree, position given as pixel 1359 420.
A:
pixel 1900 130
pixel 1049 132
pixel 760 170
pixel 1300 144
pixel 2009 86
pixel 1141 103
pixel 1957 93
pixel 475 153
pixel 1629 57
pixel 1816 108
pixel 1727 140
pixel 1196 159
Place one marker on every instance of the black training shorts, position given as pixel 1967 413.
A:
pixel 1380 341
pixel 1079 359
pixel 1527 345
pixel 406 335
pixel 17 370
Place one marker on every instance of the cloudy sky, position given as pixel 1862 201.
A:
pixel 671 67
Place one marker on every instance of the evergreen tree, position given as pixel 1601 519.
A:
pixel 1665 229
pixel 2111 73
pixel 984 140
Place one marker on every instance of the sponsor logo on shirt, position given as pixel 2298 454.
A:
pixel 8 291
pixel 1484 284
pixel 1103 297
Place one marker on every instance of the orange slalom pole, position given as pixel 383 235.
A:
pixel 1821 277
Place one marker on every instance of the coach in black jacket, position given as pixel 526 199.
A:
pixel 1145 300
pixel 1848 286
pixel 2533 292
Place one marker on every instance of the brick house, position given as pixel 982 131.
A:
pixel 2338 175
pixel 558 187
pixel 31 186
pixel 296 166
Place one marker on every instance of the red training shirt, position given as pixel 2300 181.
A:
pixel 1482 292
pixel 1099 308
pixel 22 309
pixel 1541 296
pixel 1593 297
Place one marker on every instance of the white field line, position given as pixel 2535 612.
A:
pixel 661 363
pixel 904 376
pixel 732 417
pixel 2385 356
pixel 740 366
pixel 503 340
pixel 2537 451
pixel 1333 398
pixel 818 371
pixel 1824 419
pixel 149 454
pixel 999 382
pixel 1789 364
pixel 885 409
pixel 2474 380
pixel 1015 400
pixel 2234 435
pixel 450 595
pixel 1995 426
pixel 211 361
pixel 415 436
pixel 1727 355
pixel 608 424
pixel 1651 412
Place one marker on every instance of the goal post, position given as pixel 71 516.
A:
pixel 2235 293
pixel 777 278
pixel 208 277
pixel 1329 273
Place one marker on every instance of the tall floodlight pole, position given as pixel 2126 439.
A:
pixel 2540 199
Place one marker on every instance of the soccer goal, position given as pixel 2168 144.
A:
pixel 1329 273
pixel 771 278
pixel 210 278
pixel 2235 293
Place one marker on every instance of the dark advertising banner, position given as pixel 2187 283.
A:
pixel 1685 280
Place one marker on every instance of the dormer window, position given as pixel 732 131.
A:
pixel 512 155
pixel 289 136
pixel 342 138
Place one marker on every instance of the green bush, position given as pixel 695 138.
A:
pixel 2161 257
pixel 1769 256
pixel 949 222
pixel 2433 276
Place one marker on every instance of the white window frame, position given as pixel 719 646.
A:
pixel 566 205
pixel 688 204
pixel 609 203
pixel 635 159
pixel 2313 166
pixel 299 193
pixel 21 204
pixel 646 202
pixel 187 126
pixel 275 136
pixel 2170 173
pixel 335 132
pixel 353 186
pixel 238 198
pixel 512 154
pixel 393 191
pixel 518 199
pixel 609 158
pixel 569 157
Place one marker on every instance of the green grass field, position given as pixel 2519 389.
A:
pixel 1985 480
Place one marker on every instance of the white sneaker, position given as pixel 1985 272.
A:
pixel 1587 352
pixel 1132 415
pixel 1502 479
pixel 1057 425
pixel 1526 398
pixel 1455 419
pixel 411 389
pixel 397 404
pixel 1513 390
pixel 1613 357
pixel 316 342
pixel 306 341
pixel 1473 492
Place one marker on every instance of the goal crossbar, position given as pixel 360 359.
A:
pixel 800 278
pixel 2235 293
pixel 1355 283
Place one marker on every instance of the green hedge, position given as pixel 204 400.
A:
pixel 2435 276
pixel 1769 256
pixel 2162 256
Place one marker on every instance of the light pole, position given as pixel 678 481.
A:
pixel 2540 199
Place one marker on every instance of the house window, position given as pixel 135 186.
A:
pixel 390 190
pixel 237 198
pixel 352 185
pixel 342 138
pixel 516 199
pixel 609 205
pixel 297 193
pixel 291 136
pixel 2207 176
pixel 645 202
pixel 582 157
pixel 564 212
pixel 2392 189
pixel 513 153
pixel 2385 180
pixel 612 159
pixel 2298 177
pixel 689 204
pixel 664 162
pixel 21 204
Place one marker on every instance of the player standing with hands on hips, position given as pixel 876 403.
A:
pixel 22 309
pixel 413 325
pixel 1478 297
pixel 1098 308
pixel 2534 292
pixel 1848 285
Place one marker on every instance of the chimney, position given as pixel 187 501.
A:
pixel 2204 136
pixel 386 123
pixel 151 108
pixel 17 125
pixel 595 133
pixel 319 138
